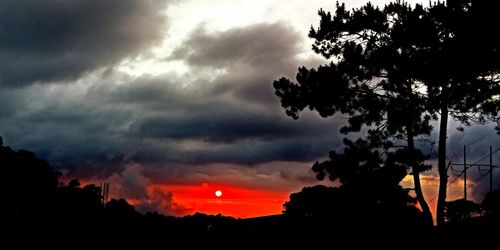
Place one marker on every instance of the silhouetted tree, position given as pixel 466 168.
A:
pixel 460 69
pixel 73 203
pixel 370 194
pixel 397 68
pixel 26 182
pixel 119 211
pixel 35 203
pixel 74 183
pixel 371 79
pixel 32 193
pixel 318 201
pixel 460 210
pixel 491 204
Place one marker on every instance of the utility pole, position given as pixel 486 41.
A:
pixel 467 214
pixel 491 171
pixel 465 173
pixel 479 165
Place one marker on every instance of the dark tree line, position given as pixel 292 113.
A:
pixel 36 203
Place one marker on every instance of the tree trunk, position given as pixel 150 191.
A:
pixel 443 173
pixel 416 181
pixel 413 164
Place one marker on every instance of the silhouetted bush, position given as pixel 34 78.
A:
pixel 26 182
pixel 491 204
pixel 460 210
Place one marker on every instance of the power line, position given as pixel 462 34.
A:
pixel 449 183
pixel 484 158
pixel 458 195
pixel 483 196
pixel 453 171
pixel 470 143
pixel 433 198
pixel 481 171
pixel 480 138
pixel 471 185
pixel 456 178
pixel 459 174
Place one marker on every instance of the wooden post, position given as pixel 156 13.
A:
pixel 465 174
pixel 491 171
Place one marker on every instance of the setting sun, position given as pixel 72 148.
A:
pixel 218 193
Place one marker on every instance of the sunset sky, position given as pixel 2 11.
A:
pixel 172 100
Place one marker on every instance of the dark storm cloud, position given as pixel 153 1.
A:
pixel 304 177
pixel 477 139
pixel 225 126
pixel 56 40
pixel 10 102
pixel 108 124
pixel 96 125
pixel 260 152
pixel 254 56
pixel 260 44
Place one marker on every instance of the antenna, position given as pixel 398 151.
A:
pixel 106 194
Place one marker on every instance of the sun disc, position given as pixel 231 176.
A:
pixel 218 193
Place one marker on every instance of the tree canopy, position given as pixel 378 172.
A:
pixel 395 69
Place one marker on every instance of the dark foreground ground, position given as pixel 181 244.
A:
pixel 212 232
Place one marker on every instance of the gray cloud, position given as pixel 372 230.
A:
pixel 260 44
pixel 131 183
pixel 61 40
pixel 91 130
pixel 274 175
pixel 227 125
pixel 253 56
pixel 162 202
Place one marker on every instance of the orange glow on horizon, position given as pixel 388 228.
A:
pixel 233 201
pixel 241 202
pixel 430 186
pixel 238 202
